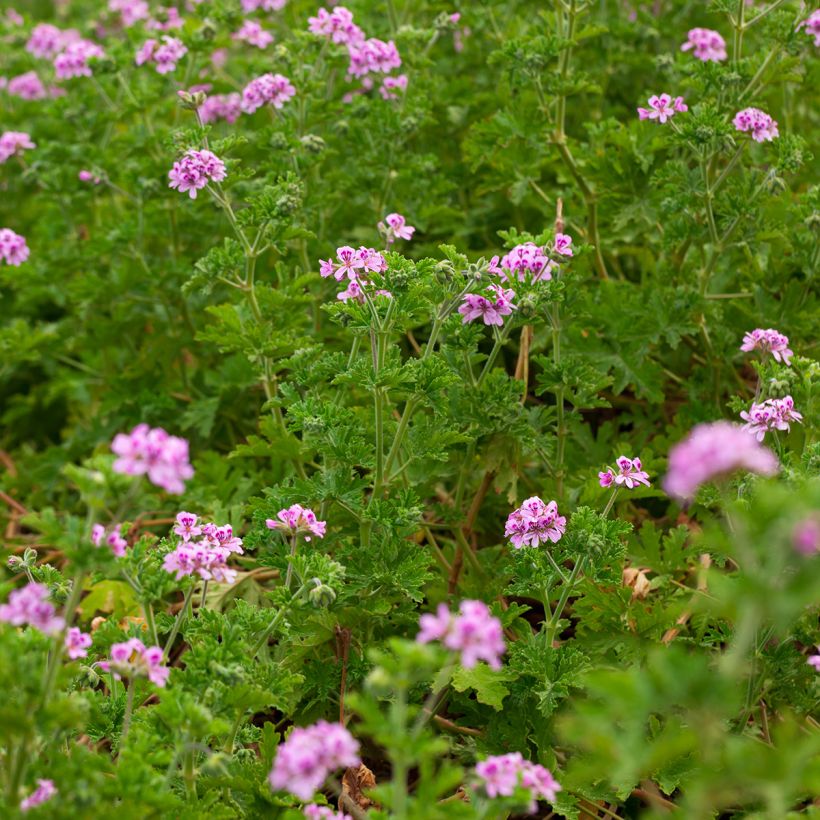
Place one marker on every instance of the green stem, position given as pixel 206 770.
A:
pixel 129 708
pixel 763 13
pixel 500 339
pixel 609 503
pixel 150 622
pixel 178 622
pixel 738 33
pixel 729 167
pixel 566 591
pixel 399 763
pixel 231 739
pixel 294 543
pixel 708 195
pixel 559 405
pixel 263 639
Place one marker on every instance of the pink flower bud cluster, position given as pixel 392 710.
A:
pixel 253 34
pixel 534 523
pixel 132 659
pixel 500 775
pixel 313 811
pixel 812 26
pixel 226 107
pixel 308 755
pixel 44 792
pixel 155 453
pixel 204 550
pixel 712 451
pixel 264 5
pixel 761 125
pixel 395 227
pixel 30 605
pixel 27 86
pixel 662 108
pixel 473 632
pixel 76 643
pixel 770 415
pixel 298 520
pixel 355 265
pixel 47 41
pixel 195 170
pixel 164 55
pixel 491 309
pixel 708 45
pixel 14 142
pixel 113 539
pixel 73 60
pixel 630 474
pixel 130 11
pixel 269 89
pixel 13 248
pixel 769 341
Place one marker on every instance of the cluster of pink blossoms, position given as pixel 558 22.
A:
pixel 86 176
pixel 812 26
pixel 395 227
pixel 269 89
pixel 526 261
pixel 112 539
pixel 13 248
pixel 309 755
pixel 662 108
pixel 26 86
pixel 473 632
pixel 226 107
pixel 770 415
pixel 491 309
pixel 713 451
pixel 155 453
pixel 769 341
pixel 47 41
pixel 164 55
pixel 806 535
pixel 30 605
pixel 204 550
pixel 534 523
pixel 76 643
pixel 762 126
pixel 354 265
pixel 630 474
pixel 298 520
pixel 265 5
pixel 500 775
pixel 168 18
pixel 708 45
pixel 313 811
pixel 130 11
pixel 253 34
pixel 14 143
pixel 72 61
pixel 43 793
pixel 195 170
pixel 133 659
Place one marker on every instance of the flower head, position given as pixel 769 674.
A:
pixel 298 519
pixel 113 539
pixel 45 791
pixel 336 25
pixel 13 248
pixel 769 341
pixel 395 227
pixel 390 85
pixel 72 61
pixel 195 170
pixel 770 415
pixel 253 34
pixel 806 535
pixel 130 11
pixel 812 26
pixel 27 86
pixel 203 551
pixel 30 605
pixel 14 143
pixel 630 474
pixel 164 55
pixel 814 660
pixel 526 261
pixel 76 643
pixel 46 41
pixel 269 89
pixel 534 523
pixel 763 128
pixel 155 453
pixel 500 775
pixel 263 5
pixel 662 108
pixel 562 244
pixel 186 527
pixel 491 309
pixel 226 107
pixel 708 45
pixel 315 812
pixel 132 659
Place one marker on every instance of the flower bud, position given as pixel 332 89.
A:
pixel 313 143
pixel 321 595
pixel 15 563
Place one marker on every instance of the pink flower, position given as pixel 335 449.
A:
pixel 164 458
pixel 27 86
pixel 490 310
pixel 527 261
pixel 315 812
pixel 337 26
pixel 308 755
pixel 812 26
pixel 372 56
pixel 186 527
pixel 395 227
pixel 354 265
pixel 629 474
pixel 226 107
pixel 501 774
pixel 195 170
pixel 45 791
pixel 806 535
pixel 30 605
pixel 473 632
pixel 298 519
pixel 770 415
pixel 265 5
pixel 707 44
pixel 253 34
pixel 662 108
pixel 712 451
pixel 534 523
pixel 87 176
pixel 769 341
pixel 206 557
pixel 14 142
pixel 73 60
pixel 76 643
pixel 113 539
pixel 271 89
pixel 168 18
pixel 132 659
pixel 164 55
pixel 390 85
pixel 13 248
pixel 46 41
pixel 562 244
pixel 131 11
pixel 762 126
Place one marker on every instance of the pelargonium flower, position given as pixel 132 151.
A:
pixel 132 659
pixel 164 55
pixel 130 11
pixel 204 550
pixel 73 60
pixel 226 107
pixel 269 89
pixel 395 227
pixel 473 632
pixel 713 451
pixel 500 775
pixel 490 309
pixel 14 142
pixel 662 108
pixel 46 41
pixel 195 170
pixel 313 811
pixel 770 415
pixel 708 45
pixel 13 248
pixel 113 539
pixel 762 126
pixel 76 643
pixel 168 18
pixel 534 523
pixel 812 26
pixel 338 26
pixel 87 176
pixel 562 244
pixel 814 660
pixel 769 341
pixel 252 33
pixel 390 85
pixel 297 519
pixel 630 474
pixel 155 453
pixel 372 56
pixel 806 535
pixel 27 86
pixel 186 527
pixel 45 791
pixel 526 261
pixel 30 605
pixel 265 5
pixel 308 755
pixel 355 265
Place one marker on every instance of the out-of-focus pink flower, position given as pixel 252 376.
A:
pixel 269 89
pixel 708 45
pixel 336 25
pixel 87 176
pixel 226 107
pixel 806 535
pixel 812 26
pixel 390 85
pixel 315 812
pixel 814 660
pixel 46 41
pixel 112 539
pixel 534 523
pixel 252 33
pixel 27 86
pixel 13 248
pixel 164 55
pixel 662 108
pixel 72 61
pixel 130 11
pixel 77 643
pixel 264 5
pixel 763 128
pixel 298 519
pixel 30 605
pixel 630 474
pixel 45 791
pixel 167 18
pixel 155 453
pixel 132 659
pixel 14 143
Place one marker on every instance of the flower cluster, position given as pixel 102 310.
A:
pixel 562 244
pixel 313 811
pixel 662 108
pixel 500 775
pixel 226 107
pixel 164 55
pixel 708 45
pixel 27 86
pixel 534 523
pixel 168 18
pixel 390 85
pixel 812 26
pixel 473 632
pixel 152 451
pixel 253 34
pixel 769 341
pixel 526 261
pixel 72 61
pixel 14 142
pixel 44 792
pixel 712 451
pixel 204 550
pixel 132 659
pixel 130 11
pixel 269 89
pixel 264 5
pixel 491 309
pixel 195 170
pixel 113 539
pixel 13 248
pixel 395 227
pixel 806 535
pixel 30 605
pixel 355 265
pixel 770 415
pixel 76 643
pixel 762 126
pixel 309 755
pixel 46 41
pixel 630 474
pixel 297 519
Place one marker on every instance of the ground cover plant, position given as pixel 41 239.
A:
pixel 409 409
